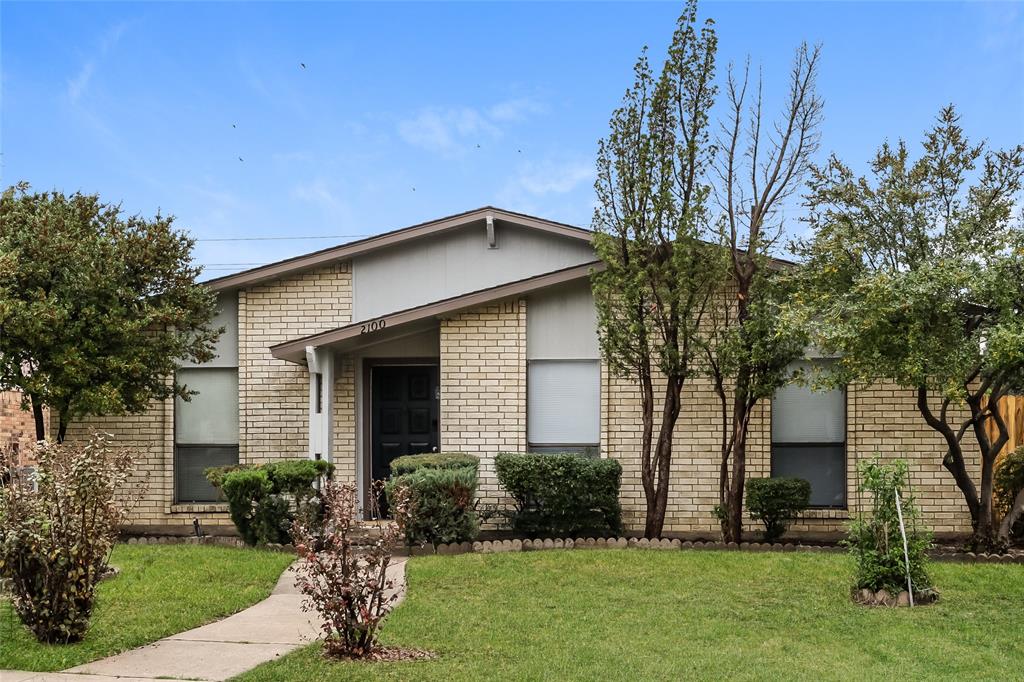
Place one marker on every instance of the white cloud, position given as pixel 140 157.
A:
pixel 549 177
pixel 518 109
pixel 447 131
pixel 319 193
pixel 80 83
pixel 454 130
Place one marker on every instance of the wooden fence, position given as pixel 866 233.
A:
pixel 1011 407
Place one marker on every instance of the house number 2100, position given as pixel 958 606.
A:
pixel 373 326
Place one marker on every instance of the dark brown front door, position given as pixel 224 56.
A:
pixel 405 409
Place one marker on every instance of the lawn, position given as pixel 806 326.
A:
pixel 618 615
pixel 161 590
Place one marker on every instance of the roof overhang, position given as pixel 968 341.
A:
pixel 352 249
pixel 414 320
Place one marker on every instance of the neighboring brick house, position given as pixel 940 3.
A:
pixel 477 333
pixel 17 426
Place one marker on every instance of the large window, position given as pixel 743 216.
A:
pixel 564 406
pixel 563 379
pixel 809 437
pixel 206 426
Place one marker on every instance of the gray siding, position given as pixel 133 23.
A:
pixel 561 323
pixel 458 262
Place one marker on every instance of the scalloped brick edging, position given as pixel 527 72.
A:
pixel 499 546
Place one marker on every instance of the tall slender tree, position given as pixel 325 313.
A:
pixel 761 164
pixel 651 232
pixel 916 276
pixel 96 308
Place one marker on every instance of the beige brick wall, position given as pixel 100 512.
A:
pixel 17 426
pixel 483 387
pixel 273 394
pixel 881 420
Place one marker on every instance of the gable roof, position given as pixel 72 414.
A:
pixel 294 349
pixel 350 249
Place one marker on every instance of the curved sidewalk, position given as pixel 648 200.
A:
pixel 213 652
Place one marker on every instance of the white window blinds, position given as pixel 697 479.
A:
pixel 211 417
pixel 564 402
pixel 802 415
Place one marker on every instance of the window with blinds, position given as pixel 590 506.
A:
pixel 206 425
pixel 809 437
pixel 564 406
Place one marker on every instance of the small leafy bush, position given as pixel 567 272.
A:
pixel 57 527
pixel 346 582
pixel 441 507
pixel 875 540
pixel 776 501
pixel 1009 482
pixel 265 500
pixel 561 495
pixel 215 475
pixel 438 460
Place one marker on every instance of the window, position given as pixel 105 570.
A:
pixel 564 406
pixel 206 426
pixel 809 437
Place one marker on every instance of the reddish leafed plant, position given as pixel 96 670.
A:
pixel 343 574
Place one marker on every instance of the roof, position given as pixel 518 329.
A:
pixel 350 249
pixel 375 329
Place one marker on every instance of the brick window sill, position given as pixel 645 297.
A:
pixel 200 508
pixel 837 514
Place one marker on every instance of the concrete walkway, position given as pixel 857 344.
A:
pixel 216 651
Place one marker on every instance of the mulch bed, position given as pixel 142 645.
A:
pixel 392 654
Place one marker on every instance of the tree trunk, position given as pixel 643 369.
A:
pixel 39 418
pixel 62 426
pixel 658 503
pixel 1016 512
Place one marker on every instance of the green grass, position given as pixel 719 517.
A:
pixel 161 590
pixel 626 615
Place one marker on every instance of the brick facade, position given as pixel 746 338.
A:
pixel 17 426
pixel 483 412
pixel 483 387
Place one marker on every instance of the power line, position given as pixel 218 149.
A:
pixel 262 239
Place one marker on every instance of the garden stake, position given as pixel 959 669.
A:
pixel 906 551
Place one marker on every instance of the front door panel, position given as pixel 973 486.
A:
pixel 405 409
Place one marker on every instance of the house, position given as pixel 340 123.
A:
pixel 17 426
pixel 477 333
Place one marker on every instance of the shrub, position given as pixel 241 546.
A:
pixel 875 540
pixel 1009 482
pixel 440 504
pixel 775 501
pixel 345 582
pixel 265 500
pixel 561 495
pixel 57 527
pixel 442 460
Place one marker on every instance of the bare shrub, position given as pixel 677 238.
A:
pixel 344 580
pixel 58 525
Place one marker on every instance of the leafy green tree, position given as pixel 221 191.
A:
pixel 916 276
pixel 96 308
pixel 749 344
pixel 651 230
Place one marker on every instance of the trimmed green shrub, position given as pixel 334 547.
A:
pixel 776 501
pixel 1009 481
pixel 265 500
pixel 215 475
pixel 440 504
pixel 561 495
pixel 875 540
pixel 435 460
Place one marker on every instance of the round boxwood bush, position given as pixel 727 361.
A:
pixel 776 501
pixel 434 460
pixel 441 502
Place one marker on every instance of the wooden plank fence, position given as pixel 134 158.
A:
pixel 1011 407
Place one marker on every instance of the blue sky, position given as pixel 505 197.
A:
pixel 408 112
